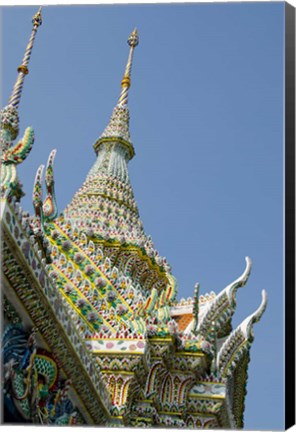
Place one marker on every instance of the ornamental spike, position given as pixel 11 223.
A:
pixel 37 191
pixel 213 336
pixel 23 70
pixel 133 41
pixel 195 307
pixel 50 209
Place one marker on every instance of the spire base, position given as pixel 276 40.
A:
pixel 128 145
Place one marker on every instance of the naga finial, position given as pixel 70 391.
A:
pixel 133 41
pixel 247 325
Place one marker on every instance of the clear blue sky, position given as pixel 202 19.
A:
pixel 206 106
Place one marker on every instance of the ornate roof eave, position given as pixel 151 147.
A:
pixel 30 286
pixel 225 415
pixel 233 359
pixel 156 266
pixel 76 258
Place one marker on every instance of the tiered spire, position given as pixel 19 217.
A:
pixel 9 114
pixel 118 126
pixel 104 208
pixel 105 202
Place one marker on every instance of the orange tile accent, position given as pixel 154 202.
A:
pixel 183 321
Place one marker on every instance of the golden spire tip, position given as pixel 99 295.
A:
pixel 37 18
pixel 133 39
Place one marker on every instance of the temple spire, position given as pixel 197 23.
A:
pixel 9 117
pixel 23 70
pixel 105 204
pixel 133 41
pixel 118 126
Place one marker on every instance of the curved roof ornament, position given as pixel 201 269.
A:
pixel 222 307
pixel 37 192
pixel 50 209
pixel 46 210
pixel 239 341
pixel 247 325
pixel 241 281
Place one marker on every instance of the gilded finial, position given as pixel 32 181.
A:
pixel 133 41
pixel 37 18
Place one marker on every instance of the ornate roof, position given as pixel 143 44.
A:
pixel 103 301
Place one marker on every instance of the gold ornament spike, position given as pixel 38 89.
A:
pixel 23 70
pixel 133 41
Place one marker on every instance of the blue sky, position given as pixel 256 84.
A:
pixel 206 105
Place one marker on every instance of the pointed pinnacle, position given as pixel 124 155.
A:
pixel 118 126
pixel 37 18
pixel 9 118
pixel 133 39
